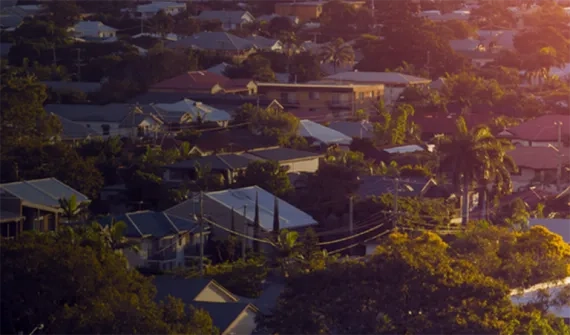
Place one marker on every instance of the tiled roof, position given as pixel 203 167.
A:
pixel 155 224
pixel 377 77
pixel 282 154
pixel 44 192
pixel 213 40
pixel 215 162
pixel 537 158
pixel 198 80
pixel 542 128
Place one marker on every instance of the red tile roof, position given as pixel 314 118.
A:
pixel 542 128
pixel 193 80
pixel 537 158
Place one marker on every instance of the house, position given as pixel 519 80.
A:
pixel 204 82
pixel 560 309
pixel 33 205
pixel 473 49
pixel 354 129
pixel 498 40
pixel 323 101
pixel 394 83
pixel 308 10
pixel 226 165
pixel 264 43
pixel 229 314
pixel 294 161
pixel 219 41
pixel 531 197
pixel 94 30
pixel 110 120
pixel 163 240
pixel 73 131
pixel 374 186
pixel 318 134
pixel 541 131
pixel 221 205
pixel 538 165
pixel 189 111
pixel 231 19
pixel 147 11
pixel 12 15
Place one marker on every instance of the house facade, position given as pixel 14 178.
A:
pixel 94 30
pixel 328 100
pixel 147 11
pixel 539 165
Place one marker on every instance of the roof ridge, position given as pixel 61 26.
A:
pixel 42 191
pixel 134 224
pixel 224 161
pixel 170 221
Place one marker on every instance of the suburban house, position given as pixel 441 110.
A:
pixel 219 41
pixel 204 82
pixel 230 19
pixel 114 119
pixel 94 30
pixel 308 10
pixel 226 165
pixel 188 111
pixel 33 205
pixel 531 196
pixel 73 131
pixel 229 314
pixel 163 240
pixel 319 135
pixel 538 166
pixel 220 206
pixel 323 101
pixel 230 165
pixel 394 83
pixel 473 49
pixel 147 11
pixel 541 131
pixel 264 43
pixel 12 14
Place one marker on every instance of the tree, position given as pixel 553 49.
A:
pixel 279 25
pixel 364 297
pixel 72 209
pixel 145 188
pixel 304 66
pixel 338 53
pixel 396 128
pixel 268 175
pixel 471 156
pixel 279 125
pixel 255 67
pixel 41 31
pixel 467 90
pixel 256 226
pixel 162 23
pixel 70 282
pixel 113 235
pixel 287 249
pixel 63 13
pixel 276 218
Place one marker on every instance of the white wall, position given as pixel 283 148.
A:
pixel 309 165
pixel 244 324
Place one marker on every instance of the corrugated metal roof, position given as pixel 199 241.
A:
pixel 377 77
pixel 533 294
pixel 323 134
pixel 282 154
pixel 195 109
pixel 358 129
pixel 45 192
pixel 289 216
pixel 150 223
pixel 74 130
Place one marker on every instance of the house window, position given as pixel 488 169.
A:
pixel 106 129
pixel 289 97
pixel 314 95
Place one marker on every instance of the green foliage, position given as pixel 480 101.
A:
pixel 268 175
pixel 71 208
pixel 255 67
pixel 282 126
pixel 72 283
pixel 467 90
pixel 304 67
pixel 41 31
pixel 63 13
pixel 338 53
pixel 396 128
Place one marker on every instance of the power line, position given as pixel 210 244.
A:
pixel 359 243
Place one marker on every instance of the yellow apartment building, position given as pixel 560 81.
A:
pixel 328 99
pixel 308 10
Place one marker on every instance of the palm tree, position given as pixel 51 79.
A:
pixel 113 235
pixel 72 209
pixel 256 225
pixel 287 248
pixel 338 53
pixel 474 156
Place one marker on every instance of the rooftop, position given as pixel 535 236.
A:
pixel 215 162
pixel 322 134
pixel 225 16
pixel 316 84
pixel 155 224
pixel 213 40
pixel 355 129
pixel 542 128
pixel 537 158
pixel 45 192
pixel 377 77
pixel 557 226
pixel 73 130
pixel 196 110
pixel 201 80
pixel 282 154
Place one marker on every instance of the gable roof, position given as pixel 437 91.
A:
pixel 213 40
pixel 229 16
pixel 282 154
pixel 262 42
pixel 73 130
pixel 153 224
pixel 378 77
pixel 289 216
pixel 194 109
pixel 186 289
pixel 323 134
pixel 219 68
pixel 215 162
pixel 223 313
pixel 44 192
pixel 197 80
pixel 92 27
pixel 541 128
pixel 537 158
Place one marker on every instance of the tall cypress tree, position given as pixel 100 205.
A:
pixel 233 222
pixel 256 224
pixel 276 222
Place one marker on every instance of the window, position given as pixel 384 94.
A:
pixel 106 129
pixel 292 97
pixel 314 95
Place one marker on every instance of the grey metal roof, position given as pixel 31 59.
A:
pixel 213 40
pixel 378 185
pixel 355 129
pixel 186 289
pixel 223 314
pixel 219 69
pixel 215 162
pixel 557 226
pixel 226 16
pixel 112 113
pixel 45 192
pixel 73 130
pixel 283 154
pixel 5 49
pixel 377 77
pixel 262 42
pixel 150 223
pixel 289 216
pixel 10 21
pixel 6 216
pixel 467 44
pixel 326 135
pixel 81 86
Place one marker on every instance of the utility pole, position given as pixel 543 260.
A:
pixel 244 232
pixel 559 145
pixel 201 218
pixel 396 193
